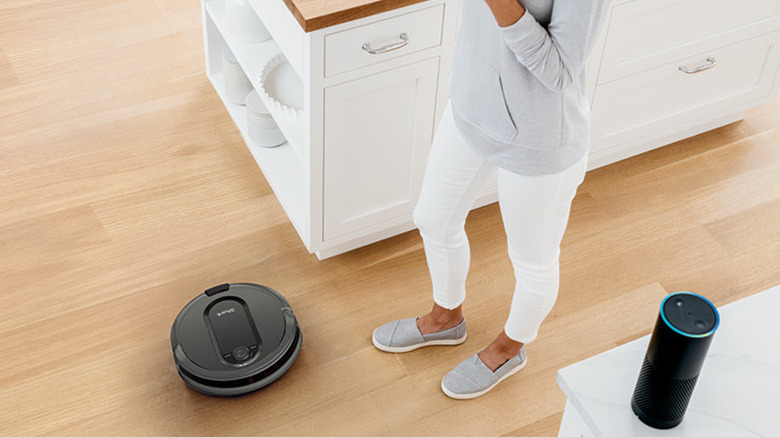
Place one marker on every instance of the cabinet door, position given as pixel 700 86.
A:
pixel 378 131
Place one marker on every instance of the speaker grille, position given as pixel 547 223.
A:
pixel 660 398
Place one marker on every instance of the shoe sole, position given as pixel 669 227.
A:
pixel 416 346
pixel 484 391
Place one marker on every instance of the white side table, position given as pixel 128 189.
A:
pixel 737 394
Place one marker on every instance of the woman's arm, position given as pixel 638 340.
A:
pixel 555 55
pixel 507 12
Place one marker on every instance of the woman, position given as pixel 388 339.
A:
pixel 517 106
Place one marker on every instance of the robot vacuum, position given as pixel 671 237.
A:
pixel 234 339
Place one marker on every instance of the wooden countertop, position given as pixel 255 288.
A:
pixel 317 14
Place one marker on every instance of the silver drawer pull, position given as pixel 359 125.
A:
pixel 706 66
pixel 388 48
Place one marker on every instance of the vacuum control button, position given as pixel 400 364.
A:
pixel 241 353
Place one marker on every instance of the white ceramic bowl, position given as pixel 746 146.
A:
pixel 261 128
pixel 243 23
pixel 237 84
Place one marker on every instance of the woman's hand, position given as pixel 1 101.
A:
pixel 506 12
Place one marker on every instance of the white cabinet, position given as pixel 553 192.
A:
pixel 645 34
pixel 665 70
pixel 377 136
pixel 351 170
pixel 718 80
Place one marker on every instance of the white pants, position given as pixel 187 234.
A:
pixel 535 212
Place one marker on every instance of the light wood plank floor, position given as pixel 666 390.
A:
pixel 125 190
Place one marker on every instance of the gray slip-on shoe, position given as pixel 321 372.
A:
pixel 403 335
pixel 472 378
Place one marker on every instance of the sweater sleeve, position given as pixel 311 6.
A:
pixel 556 55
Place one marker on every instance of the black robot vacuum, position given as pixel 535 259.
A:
pixel 234 339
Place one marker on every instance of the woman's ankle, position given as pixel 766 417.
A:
pixel 506 345
pixel 499 351
pixel 440 318
pixel 444 316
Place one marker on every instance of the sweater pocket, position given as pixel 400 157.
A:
pixel 478 94
pixel 538 112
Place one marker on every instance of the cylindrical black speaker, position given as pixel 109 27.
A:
pixel 679 343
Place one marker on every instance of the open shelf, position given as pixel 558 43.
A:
pixel 252 57
pixel 283 167
pixel 280 165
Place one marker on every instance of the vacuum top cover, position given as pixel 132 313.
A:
pixel 234 339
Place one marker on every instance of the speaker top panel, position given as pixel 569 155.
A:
pixel 690 314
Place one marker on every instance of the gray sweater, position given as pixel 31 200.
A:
pixel 518 92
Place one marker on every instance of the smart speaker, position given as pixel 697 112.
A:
pixel 679 343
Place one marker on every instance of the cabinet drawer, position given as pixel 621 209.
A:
pixel 645 34
pixel 666 98
pixel 345 51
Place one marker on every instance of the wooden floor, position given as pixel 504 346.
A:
pixel 126 190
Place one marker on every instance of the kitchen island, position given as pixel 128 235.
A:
pixel 372 78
